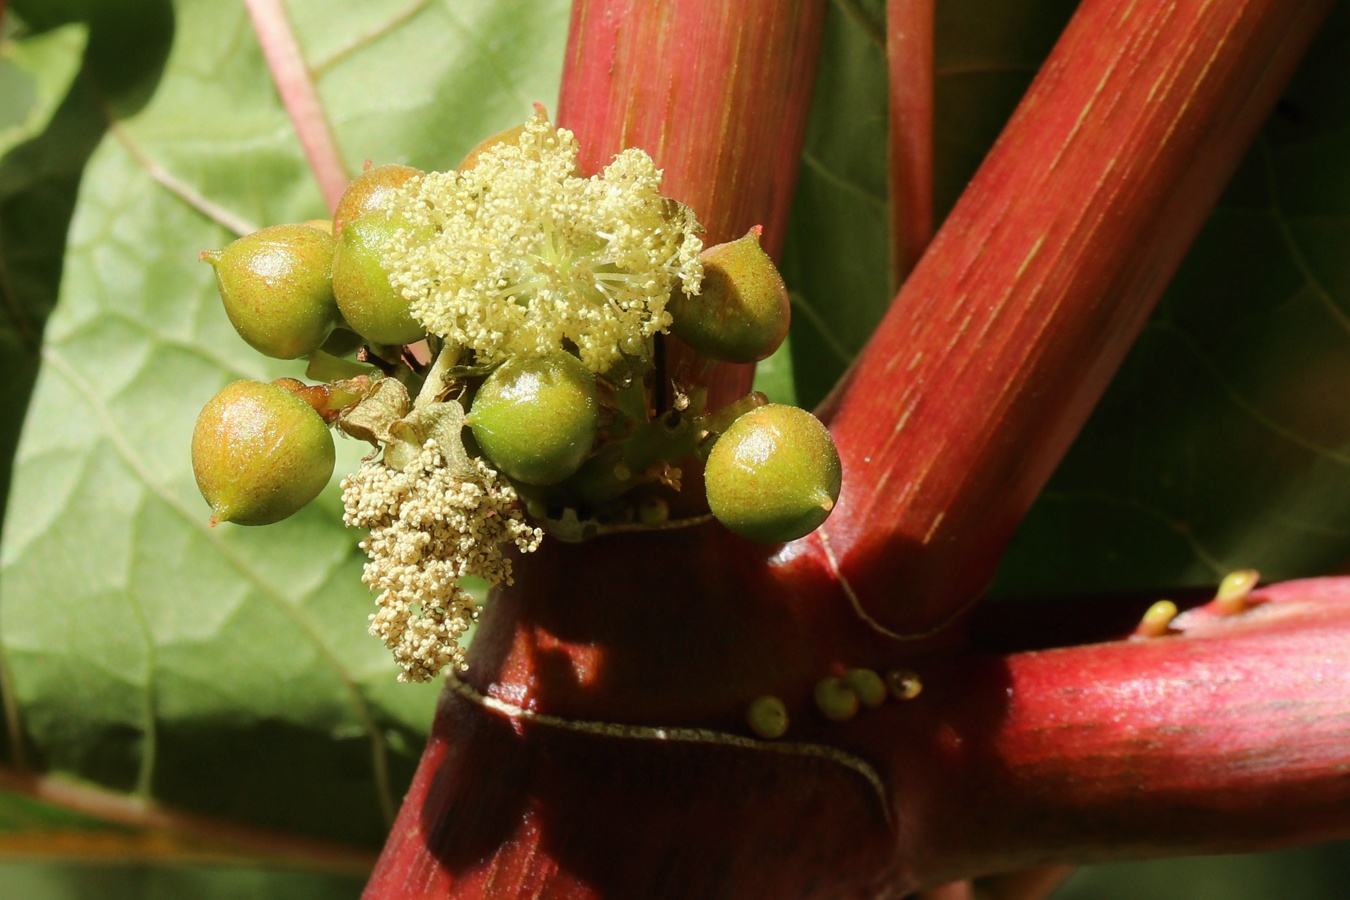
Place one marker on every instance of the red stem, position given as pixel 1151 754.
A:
pixel 295 84
pixel 1008 331
pixel 1228 735
pixel 909 64
pixel 717 93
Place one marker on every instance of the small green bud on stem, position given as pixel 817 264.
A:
pixel 371 191
pixel 1157 619
pixel 869 687
pixel 259 453
pixel 741 314
pixel 368 302
pixel 767 717
pixel 835 699
pixel 773 475
pixel 536 418
pixel 275 286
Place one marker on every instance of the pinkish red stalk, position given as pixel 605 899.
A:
pixel 300 97
pixel 1007 333
pixel 909 64
pixel 1228 735
pixel 717 93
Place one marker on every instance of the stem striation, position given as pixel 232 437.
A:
pixel 1005 336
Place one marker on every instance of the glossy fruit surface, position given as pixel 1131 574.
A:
pixel 741 314
pixel 536 418
pixel 370 192
pixel 773 475
pixel 275 287
pixel 368 302
pixel 259 453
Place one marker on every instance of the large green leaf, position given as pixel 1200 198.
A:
pixel 226 671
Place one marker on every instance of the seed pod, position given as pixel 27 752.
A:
pixel 741 314
pixel 275 287
pixel 259 453
pixel 536 418
pixel 773 475
pixel 370 191
pixel 368 302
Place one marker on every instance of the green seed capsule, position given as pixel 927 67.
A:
pixel 536 418
pixel 370 191
pixel 368 302
pixel 259 453
pixel 767 717
pixel 742 312
pixel 276 290
pixel 774 474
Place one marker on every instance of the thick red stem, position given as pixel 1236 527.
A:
pixel 1228 735
pixel 718 94
pixel 1008 331
pixel 909 65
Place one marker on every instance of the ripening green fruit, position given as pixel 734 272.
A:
pixel 369 192
pixel 275 287
pixel 536 418
pixel 259 453
pixel 742 312
pixel 773 475
pixel 368 302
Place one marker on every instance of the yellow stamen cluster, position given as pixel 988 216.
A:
pixel 429 527
pixel 518 254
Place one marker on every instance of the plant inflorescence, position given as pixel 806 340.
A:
pixel 494 333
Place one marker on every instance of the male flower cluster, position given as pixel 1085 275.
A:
pixel 429 527
pixel 518 254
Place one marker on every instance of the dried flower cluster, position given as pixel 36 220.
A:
pixel 429 527
pixel 525 254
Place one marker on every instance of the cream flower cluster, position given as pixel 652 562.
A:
pixel 429 527
pixel 524 255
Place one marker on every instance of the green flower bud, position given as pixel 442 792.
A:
pixel 275 287
pixel 742 312
pixel 368 302
pixel 536 418
pixel 370 192
pixel 259 453
pixel 773 475
pixel 869 687
pixel 835 699
pixel 767 717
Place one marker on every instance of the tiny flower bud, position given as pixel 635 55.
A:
pixel 1236 587
pixel 869 687
pixel 368 302
pixel 835 699
pixel 1157 619
pixel 767 717
pixel 370 191
pixel 903 684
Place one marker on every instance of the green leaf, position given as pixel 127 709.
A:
pixel 225 671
